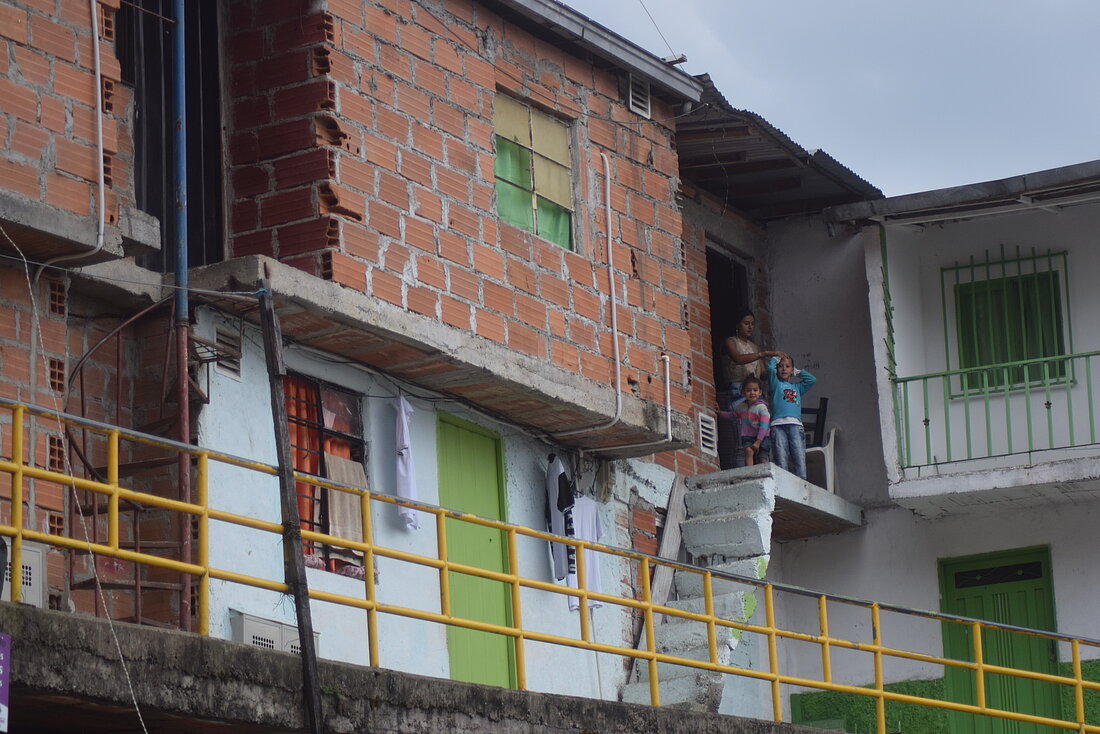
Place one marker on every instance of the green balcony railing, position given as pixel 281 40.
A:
pixel 997 410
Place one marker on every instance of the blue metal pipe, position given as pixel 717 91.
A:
pixel 179 103
pixel 182 326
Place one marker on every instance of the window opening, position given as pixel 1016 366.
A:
pixel 144 46
pixel 534 171
pixel 325 425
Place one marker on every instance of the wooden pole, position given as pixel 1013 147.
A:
pixel 295 566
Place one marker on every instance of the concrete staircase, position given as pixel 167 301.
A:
pixel 728 529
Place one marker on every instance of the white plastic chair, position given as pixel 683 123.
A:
pixel 819 461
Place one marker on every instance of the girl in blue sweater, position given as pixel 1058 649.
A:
pixel 788 435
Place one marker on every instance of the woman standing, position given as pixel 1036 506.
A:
pixel 743 357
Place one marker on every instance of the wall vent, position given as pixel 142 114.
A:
pixel 229 352
pixel 33 576
pixel 708 434
pixel 638 96
pixel 267 633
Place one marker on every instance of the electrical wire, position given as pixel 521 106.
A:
pixel 654 22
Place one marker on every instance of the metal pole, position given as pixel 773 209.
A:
pixel 182 325
pixel 295 566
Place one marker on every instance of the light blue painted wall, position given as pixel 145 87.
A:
pixel 238 421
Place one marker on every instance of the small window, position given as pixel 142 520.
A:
pixel 1009 320
pixel 326 430
pixel 534 171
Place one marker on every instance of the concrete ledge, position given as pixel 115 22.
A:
pixel 43 231
pixel 422 350
pixel 801 509
pixel 1020 481
pixel 65 671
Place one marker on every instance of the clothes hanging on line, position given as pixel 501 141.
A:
pixel 406 474
pixel 585 515
pixel 559 498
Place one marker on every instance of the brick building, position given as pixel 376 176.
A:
pixel 497 209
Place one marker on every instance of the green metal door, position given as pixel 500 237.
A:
pixel 1013 587
pixel 471 479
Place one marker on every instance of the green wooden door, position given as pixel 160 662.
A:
pixel 471 479
pixel 1013 587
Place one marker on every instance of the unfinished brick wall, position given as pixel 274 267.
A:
pixel 47 122
pixel 362 151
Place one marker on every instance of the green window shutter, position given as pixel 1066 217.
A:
pixel 1010 319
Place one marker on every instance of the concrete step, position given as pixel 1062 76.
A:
pixel 689 584
pixel 726 606
pixel 671 671
pixel 688 634
pixel 751 495
pixel 738 535
pixel 702 692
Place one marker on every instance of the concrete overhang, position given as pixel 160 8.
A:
pixel 43 232
pixel 577 29
pixel 977 486
pixel 804 510
pixel 513 387
pixel 801 510
pixel 1052 188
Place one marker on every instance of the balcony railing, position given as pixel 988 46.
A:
pixel 997 410
pixel 797 624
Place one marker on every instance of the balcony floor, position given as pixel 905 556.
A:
pixel 1020 481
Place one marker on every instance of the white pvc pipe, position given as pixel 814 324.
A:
pixel 668 417
pixel 614 311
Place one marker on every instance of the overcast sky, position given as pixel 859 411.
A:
pixel 912 95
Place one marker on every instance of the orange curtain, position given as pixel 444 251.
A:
pixel 301 410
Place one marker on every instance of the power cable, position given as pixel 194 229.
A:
pixel 659 33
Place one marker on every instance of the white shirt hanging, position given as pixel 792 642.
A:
pixel 586 526
pixel 406 474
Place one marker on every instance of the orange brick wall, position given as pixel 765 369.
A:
pixel 47 121
pixel 362 152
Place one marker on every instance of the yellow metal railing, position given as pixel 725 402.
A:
pixel 24 420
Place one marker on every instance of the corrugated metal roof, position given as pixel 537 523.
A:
pixel 740 157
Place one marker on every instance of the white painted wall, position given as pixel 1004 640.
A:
pixel 916 257
pixel 893 558
pixel 238 421
pixel 819 296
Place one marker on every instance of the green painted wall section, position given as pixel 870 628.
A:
pixel 856 714
pixel 1090 670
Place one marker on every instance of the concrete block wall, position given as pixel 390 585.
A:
pixel 47 122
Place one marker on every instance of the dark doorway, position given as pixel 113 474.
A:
pixel 728 288
pixel 145 44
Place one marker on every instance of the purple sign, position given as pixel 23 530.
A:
pixel 5 677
